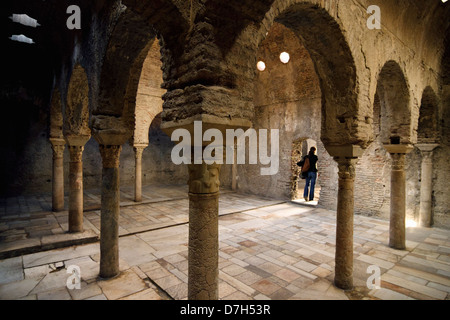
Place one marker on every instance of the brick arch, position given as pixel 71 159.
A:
pixel 394 96
pixel 322 35
pixel 147 97
pixel 428 128
pixel 137 28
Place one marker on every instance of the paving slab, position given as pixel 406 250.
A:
pixel 127 283
pixel 11 270
pixel 86 291
pixel 18 289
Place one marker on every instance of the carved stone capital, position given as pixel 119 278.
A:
pixel 110 156
pixel 427 151
pixel 203 178
pixel 427 157
pixel 138 150
pixel 76 153
pixel 58 146
pixel 347 167
pixel 398 161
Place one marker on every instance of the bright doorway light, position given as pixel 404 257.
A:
pixel 411 223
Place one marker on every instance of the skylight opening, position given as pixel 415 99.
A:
pixel 21 38
pixel 261 66
pixel 24 20
pixel 285 57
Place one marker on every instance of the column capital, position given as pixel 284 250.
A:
pixel 76 146
pixel 109 130
pixel 76 153
pixel 204 178
pixel 140 145
pixel 347 167
pixel 427 156
pixel 398 161
pixel 110 155
pixel 399 148
pixel 427 147
pixel 139 149
pixel 345 151
pixel 57 141
pixel 77 140
pixel 58 146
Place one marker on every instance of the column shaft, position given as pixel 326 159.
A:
pixel 138 173
pixel 344 226
pixel 203 274
pixel 234 170
pixel 426 190
pixel 397 227
pixel 110 209
pixel 76 189
pixel 58 175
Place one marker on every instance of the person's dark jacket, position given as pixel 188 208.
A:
pixel 312 163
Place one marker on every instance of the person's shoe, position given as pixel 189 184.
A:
pixel 306 199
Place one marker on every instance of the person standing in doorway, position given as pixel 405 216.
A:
pixel 311 175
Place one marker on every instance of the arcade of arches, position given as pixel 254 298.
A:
pixel 375 103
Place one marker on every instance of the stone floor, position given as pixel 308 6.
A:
pixel 268 250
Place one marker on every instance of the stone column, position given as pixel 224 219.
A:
pixel 344 224
pixel 204 183
pixel 58 146
pixel 397 226
pixel 203 274
pixel 138 150
pixel 76 147
pixel 426 185
pixel 346 158
pixel 110 209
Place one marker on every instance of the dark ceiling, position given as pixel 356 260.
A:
pixel 28 70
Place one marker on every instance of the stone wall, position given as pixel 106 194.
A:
pixel 33 168
pixel 373 182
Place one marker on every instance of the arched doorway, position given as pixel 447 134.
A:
pixel 428 139
pixel 301 148
pixel 393 93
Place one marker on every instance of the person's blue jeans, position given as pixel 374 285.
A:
pixel 310 179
